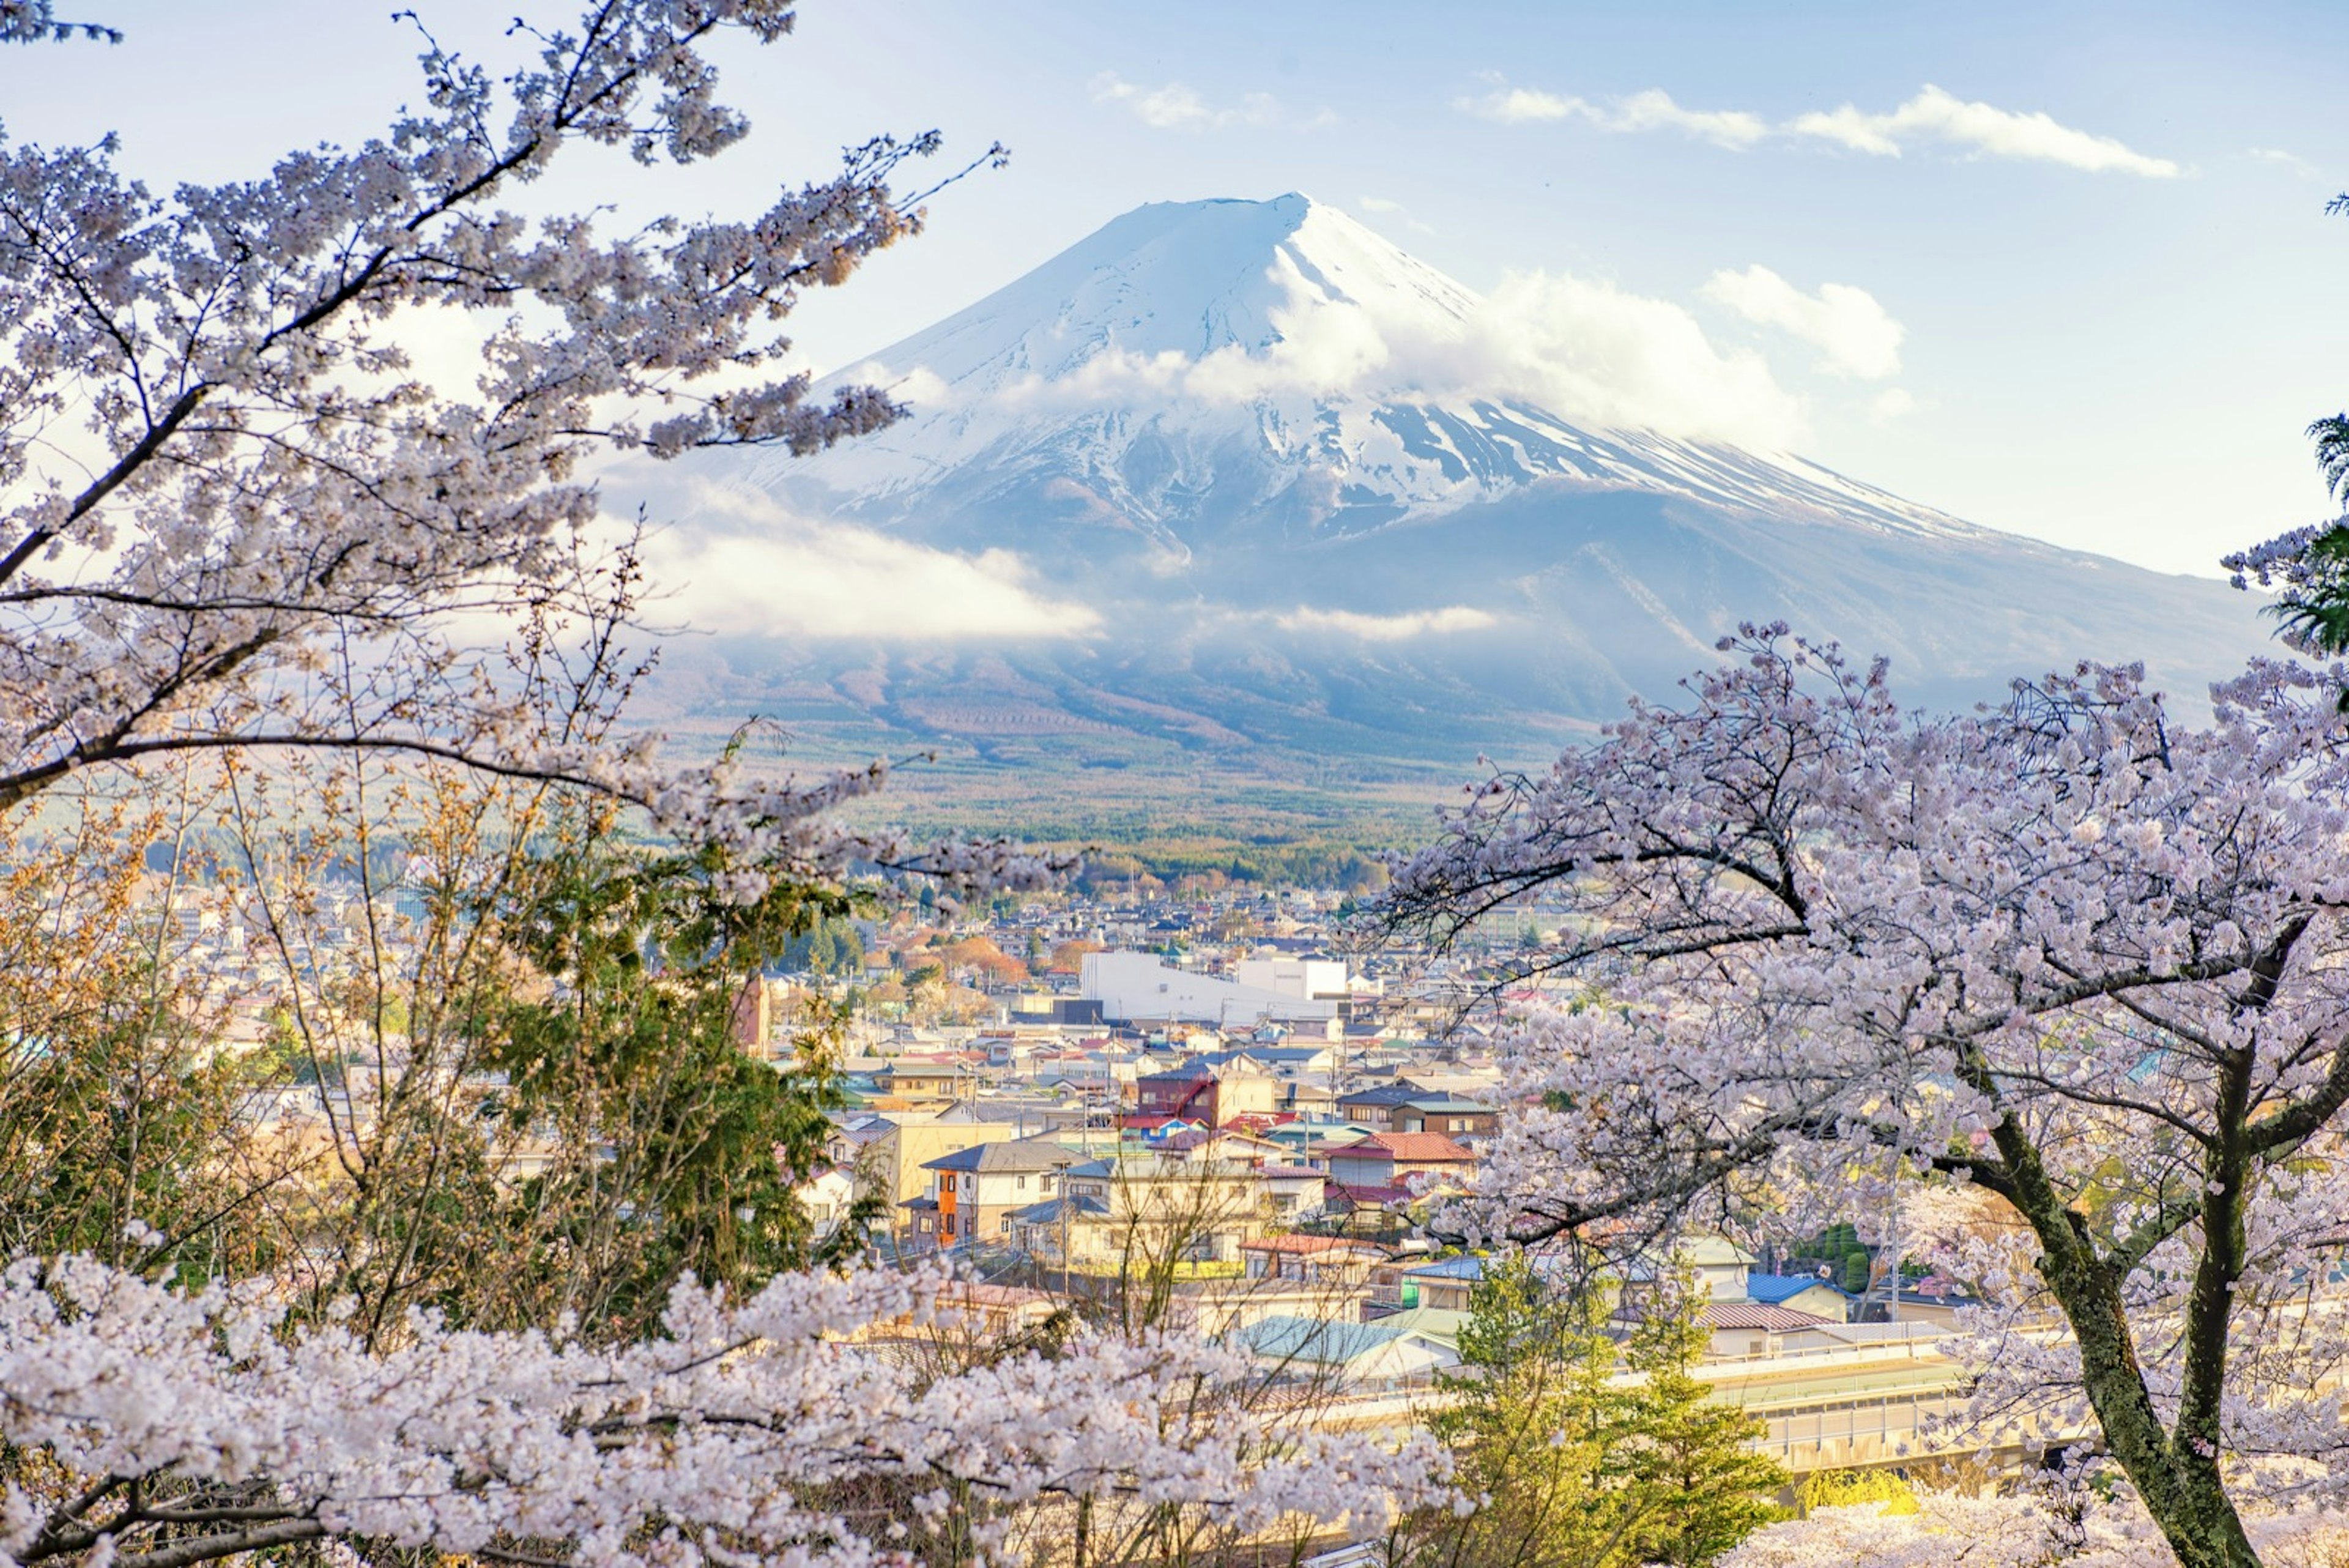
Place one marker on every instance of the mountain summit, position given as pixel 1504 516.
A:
pixel 1197 361
pixel 1319 501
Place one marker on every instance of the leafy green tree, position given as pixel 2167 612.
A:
pixel 677 1151
pixel 2311 566
pixel 1846 1489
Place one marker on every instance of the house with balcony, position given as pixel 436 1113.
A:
pixel 1138 1209
pixel 975 1191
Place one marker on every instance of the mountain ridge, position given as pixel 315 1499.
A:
pixel 1248 438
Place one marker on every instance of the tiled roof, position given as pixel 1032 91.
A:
pixel 1020 1155
pixel 1308 1244
pixel 1754 1314
pixel 1419 1146
pixel 1385 1095
pixel 1367 1194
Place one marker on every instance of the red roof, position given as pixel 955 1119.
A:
pixel 1308 1244
pixel 1364 1195
pixel 1419 1147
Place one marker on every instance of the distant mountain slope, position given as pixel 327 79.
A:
pixel 1241 433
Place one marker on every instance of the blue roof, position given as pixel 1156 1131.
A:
pixel 1049 1211
pixel 1467 1268
pixel 1773 1290
pixel 1314 1339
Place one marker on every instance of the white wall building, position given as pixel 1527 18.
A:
pixel 1138 986
pixel 1306 980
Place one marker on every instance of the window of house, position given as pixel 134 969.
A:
pixel 1020 1182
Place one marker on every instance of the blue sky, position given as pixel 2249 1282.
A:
pixel 2113 323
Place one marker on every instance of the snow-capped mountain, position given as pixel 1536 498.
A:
pixel 1315 496
pixel 1343 370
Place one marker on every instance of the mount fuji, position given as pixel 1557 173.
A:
pixel 1290 500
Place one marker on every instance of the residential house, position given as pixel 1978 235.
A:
pixel 1293 1192
pixel 827 1197
pixel 973 1191
pixel 1934 1300
pixel 1721 1268
pixel 1201 1093
pixel 1393 1159
pixel 1749 1329
pixel 1375 1107
pixel 890 1161
pixel 1463 1121
pixel 915 1081
pixel 1147 1209
pixel 1323 1261
pixel 1444 1284
pixel 1803 1293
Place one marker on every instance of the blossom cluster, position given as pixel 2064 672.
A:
pixel 234 512
pixel 2024 1529
pixel 193 1427
pixel 2090 961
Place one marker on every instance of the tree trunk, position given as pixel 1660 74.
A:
pixel 2181 1487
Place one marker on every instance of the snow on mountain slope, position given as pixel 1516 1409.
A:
pixel 1295 496
pixel 1284 327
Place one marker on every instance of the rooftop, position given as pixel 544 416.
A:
pixel 1021 1155
pixel 1428 1147
pixel 1310 1244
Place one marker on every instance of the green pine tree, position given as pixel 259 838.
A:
pixel 1570 1463
pixel 1706 1491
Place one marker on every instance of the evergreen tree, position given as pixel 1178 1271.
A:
pixel 1573 1465
pixel 1706 1491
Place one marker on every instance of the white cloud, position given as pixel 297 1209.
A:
pixel 2291 161
pixel 1852 332
pixel 1176 106
pixel 798 578
pixel 1389 628
pixel 1890 404
pixel 1932 116
pixel 1583 349
pixel 1936 115
pixel 1650 111
pixel 1600 355
pixel 1518 106
pixel 1655 110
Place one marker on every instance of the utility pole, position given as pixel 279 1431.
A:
pixel 1891 1245
pixel 1060 1177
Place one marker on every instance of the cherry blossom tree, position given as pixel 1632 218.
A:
pixel 2071 951
pixel 235 514
pixel 184 1430
pixel 2030 1527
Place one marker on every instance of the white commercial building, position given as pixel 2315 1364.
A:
pixel 1138 986
pixel 1307 979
